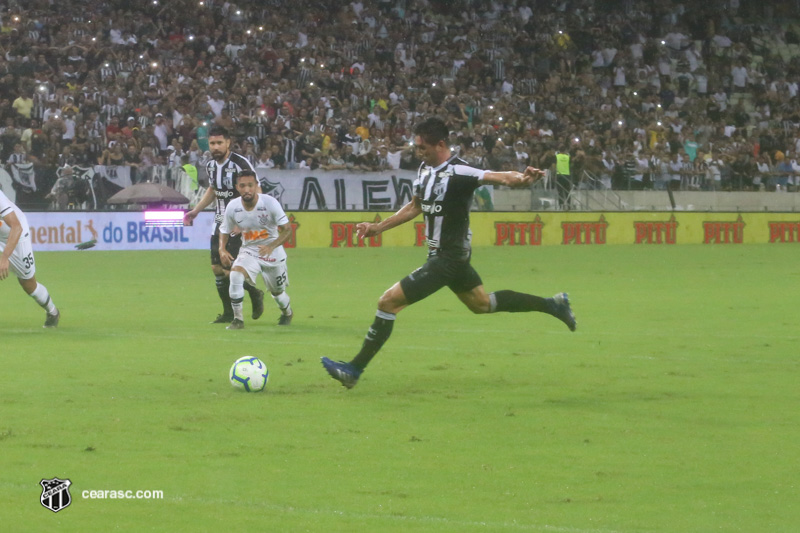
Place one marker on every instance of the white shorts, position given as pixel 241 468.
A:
pixel 21 261
pixel 274 274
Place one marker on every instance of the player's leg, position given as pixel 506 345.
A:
pixel 222 282
pixel 23 265
pixel 276 278
pixel 478 301
pixel 245 269
pixel 418 285
pixel 256 294
pixel 236 294
pixel 390 303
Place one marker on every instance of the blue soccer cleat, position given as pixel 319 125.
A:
pixel 562 310
pixel 345 373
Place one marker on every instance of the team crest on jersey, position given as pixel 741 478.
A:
pixel 439 188
pixel 227 180
pixel 263 220
pixel 55 494
pixel 273 189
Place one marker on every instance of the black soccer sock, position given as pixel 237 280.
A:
pixel 378 334
pixel 223 288
pixel 518 302
pixel 252 290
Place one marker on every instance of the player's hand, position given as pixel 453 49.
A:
pixel 188 218
pixel 533 174
pixel 264 251
pixel 3 268
pixel 366 229
pixel 225 258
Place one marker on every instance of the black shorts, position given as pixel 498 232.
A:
pixel 234 243
pixel 458 276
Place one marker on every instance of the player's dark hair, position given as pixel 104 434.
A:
pixel 219 131
pixel 432 130
pixel 246 172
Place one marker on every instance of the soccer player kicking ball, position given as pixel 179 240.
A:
pixel 16 255
pixel 264 228
pixel 442 193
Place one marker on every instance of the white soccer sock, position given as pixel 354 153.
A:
pixel 236 292
pixel 42 298
pixel 283 300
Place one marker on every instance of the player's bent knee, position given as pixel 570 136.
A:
pixel 478 309
pixel 392 300
pixel 28 285
pixel 478 306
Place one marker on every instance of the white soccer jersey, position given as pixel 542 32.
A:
pixel 258 226
pixel 6 207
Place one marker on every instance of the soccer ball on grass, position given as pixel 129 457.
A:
pixel 249 374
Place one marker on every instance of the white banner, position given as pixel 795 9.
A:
pixel 339 190
pixel 23 174
pixel 63 231
pixel 118 175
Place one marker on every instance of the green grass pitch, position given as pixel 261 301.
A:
pixel 673 408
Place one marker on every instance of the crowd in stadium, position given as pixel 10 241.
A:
pixel 641 94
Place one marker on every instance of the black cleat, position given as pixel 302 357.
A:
pixel 52 320
pixel 285 320
pixel 257 298
pixel 236 324
pixel 222 319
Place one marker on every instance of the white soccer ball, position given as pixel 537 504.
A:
pixel 249 374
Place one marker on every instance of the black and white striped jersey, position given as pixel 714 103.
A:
pixel 445 194
pixel 221 178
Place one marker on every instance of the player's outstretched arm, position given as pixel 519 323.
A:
pixel 408 212
pixel 513 178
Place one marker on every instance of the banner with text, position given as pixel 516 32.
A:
pixel 128 231
pixel 338 190
pixel 63 231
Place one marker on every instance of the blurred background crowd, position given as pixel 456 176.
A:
pixel 682 95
